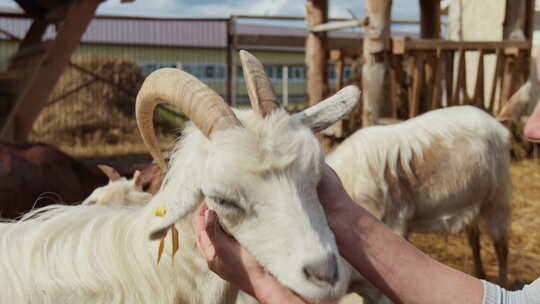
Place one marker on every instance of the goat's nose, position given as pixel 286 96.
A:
pixel 322 272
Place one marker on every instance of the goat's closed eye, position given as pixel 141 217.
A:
pixel 226 203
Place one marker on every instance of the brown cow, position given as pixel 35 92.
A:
pixel 36 175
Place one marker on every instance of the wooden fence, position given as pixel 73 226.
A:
pixel 426 74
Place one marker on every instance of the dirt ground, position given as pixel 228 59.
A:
pixel 524 255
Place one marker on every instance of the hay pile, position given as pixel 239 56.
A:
pixel 524 255
pixel 521 147
pixel 98 117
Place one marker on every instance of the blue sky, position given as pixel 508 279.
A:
pixel 402 9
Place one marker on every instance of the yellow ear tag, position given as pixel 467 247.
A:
pixel 160 211
pixel 160 249
pixel 175 242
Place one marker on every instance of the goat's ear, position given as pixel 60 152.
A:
pixel 110 172
pixel 330 110
pixel 137 180
pixel 170 212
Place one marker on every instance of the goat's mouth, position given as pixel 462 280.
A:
pixel 326 296
pixel 316 292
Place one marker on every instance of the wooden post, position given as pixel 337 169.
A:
pixel 514 20
pixel 497 79
pixel 479 95
pixel 34 95
pixel 285 86
pixel 232 61
pixel 33 37
pixel 396 67
pixel 435 91
pixel 376 42
pixel 430 28
pixel 514 29
pixel 316 54
pixel 509 81
pixel 417 84
pixel 430 19
pixel 459 95
pixel 229 59
pixel 529 18
pixel 340 69
pixel 449 76
pixel 35 32
pixel 334 26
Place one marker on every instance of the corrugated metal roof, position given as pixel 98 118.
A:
pixel 194 33
pixel 163 32
pixel 166 32
pixel 15 26
pixel 263 29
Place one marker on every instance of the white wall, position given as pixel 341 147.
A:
pixel 477 20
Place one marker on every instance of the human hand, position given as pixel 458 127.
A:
pixel 224 254
pixel 228 259
pixel 333 197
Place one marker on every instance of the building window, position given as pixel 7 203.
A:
pixel 210 71
pixel 221 72
pixel 332 75
pixel 347 72
pixel 203 71
pixel 279 72
pixel 296 73
pixel 274 72
pixel 239 73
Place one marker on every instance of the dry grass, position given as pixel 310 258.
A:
pixel 524 256
pixel 99 119
pixel 118 151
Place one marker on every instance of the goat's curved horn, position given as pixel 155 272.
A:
pixel 260 91
pixel 330 110
pixel 197 101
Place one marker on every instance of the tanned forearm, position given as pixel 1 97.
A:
pixel 398 269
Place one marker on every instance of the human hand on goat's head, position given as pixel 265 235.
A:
pixel 224 255
pixel 228 259
pixel 332 196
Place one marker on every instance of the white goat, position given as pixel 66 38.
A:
pixel 444 171
pixel 119 190
pixel 257 169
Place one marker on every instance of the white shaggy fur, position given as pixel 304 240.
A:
pixel 444 171
pixel 260 178
pixel 119 192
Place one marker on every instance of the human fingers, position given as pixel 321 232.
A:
pixel 212 227
pixel 199 221
pixel 200 226
pixel 224 244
